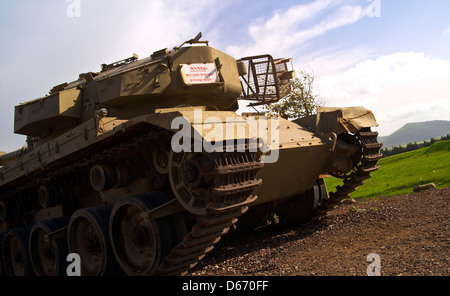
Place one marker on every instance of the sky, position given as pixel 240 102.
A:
pixel 389 56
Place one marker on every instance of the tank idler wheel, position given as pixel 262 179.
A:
pixel 88 236
pixel 48 255
pixel 190 179
pixel 16 258
pixel 139 243
pixel 351 139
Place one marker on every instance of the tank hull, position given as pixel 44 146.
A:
pixel 123 176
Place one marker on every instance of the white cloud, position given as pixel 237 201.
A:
pixel 330 62
pixel 399 88
pixel 54 48
pixel 434 109
pixel 152 25
pixel 446 31
pixel 288 30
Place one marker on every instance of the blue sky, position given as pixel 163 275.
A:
pixel 390 56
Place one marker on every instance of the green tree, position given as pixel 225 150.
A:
pixel 301 100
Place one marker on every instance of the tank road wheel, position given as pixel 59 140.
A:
pixel 88 235
pixel 190 178
pixel 48 255
pixel 140 243
pixel 323 193
pixel 16 258
pixel 297 208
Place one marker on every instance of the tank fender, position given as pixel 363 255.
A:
pixel 200 122
pixel 339 120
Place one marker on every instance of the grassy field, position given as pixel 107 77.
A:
pixel 398 174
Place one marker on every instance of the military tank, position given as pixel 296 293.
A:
pixel 142 167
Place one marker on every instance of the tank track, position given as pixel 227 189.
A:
pixel 368 163
pixel 74 172
pixel 235 174
pixel 235 179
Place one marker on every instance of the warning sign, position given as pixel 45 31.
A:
pixel 199 73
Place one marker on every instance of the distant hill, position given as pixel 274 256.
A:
pixel 416 132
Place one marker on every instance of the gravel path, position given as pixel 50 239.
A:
pixel 410 233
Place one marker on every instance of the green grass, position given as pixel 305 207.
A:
pixel 398 174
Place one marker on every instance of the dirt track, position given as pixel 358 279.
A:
pixel 410 233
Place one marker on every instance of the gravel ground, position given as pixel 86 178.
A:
pixel 410 233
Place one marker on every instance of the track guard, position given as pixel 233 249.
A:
pixel 339 120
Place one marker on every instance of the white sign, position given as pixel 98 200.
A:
pixel 199 73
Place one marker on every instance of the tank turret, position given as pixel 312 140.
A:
pixel 183 76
